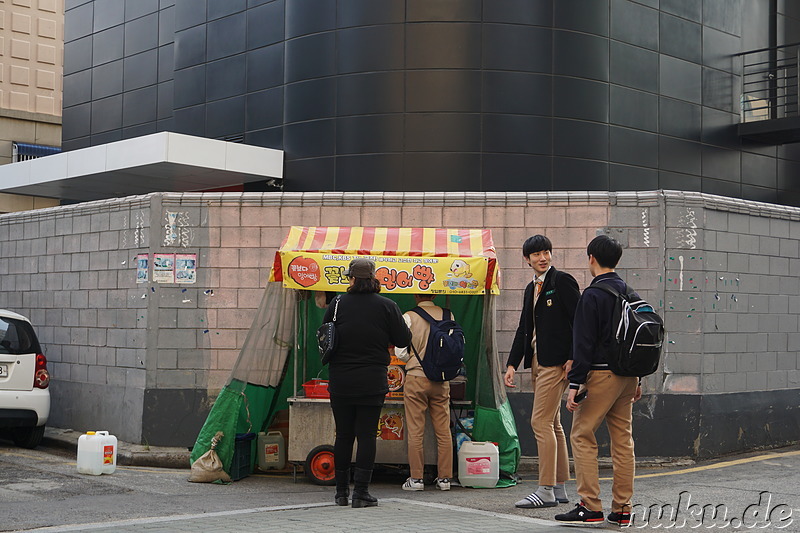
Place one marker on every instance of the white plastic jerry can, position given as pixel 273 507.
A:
pixel 97 453
pixel 271 450
pixel 478 464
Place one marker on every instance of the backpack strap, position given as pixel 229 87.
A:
pixel 605 287
pixel 627 295
pixel 416 354
pixel 424 314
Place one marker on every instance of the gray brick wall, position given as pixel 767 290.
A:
pixel 747 297
pixel 725 274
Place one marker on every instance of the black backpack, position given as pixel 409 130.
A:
pixel 638 335
pixel 444 353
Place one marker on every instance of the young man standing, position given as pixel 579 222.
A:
pixel 544 341
pixel 608 396
pixel 420 395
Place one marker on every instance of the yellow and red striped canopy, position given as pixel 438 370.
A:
pixel 433 242
pixel 387 245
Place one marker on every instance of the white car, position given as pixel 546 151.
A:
pixel 24 381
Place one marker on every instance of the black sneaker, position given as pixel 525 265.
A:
pixel 581 515
pixel 621 519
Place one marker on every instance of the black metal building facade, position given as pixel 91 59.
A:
pixel 476 95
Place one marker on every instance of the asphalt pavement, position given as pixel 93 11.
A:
pixel 40 490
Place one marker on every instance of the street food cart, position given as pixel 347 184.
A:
pixel 279 365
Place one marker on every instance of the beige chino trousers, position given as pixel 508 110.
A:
pixel 609 398
pixel 420 395
pixel 548 388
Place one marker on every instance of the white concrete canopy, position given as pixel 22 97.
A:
pixel 161 162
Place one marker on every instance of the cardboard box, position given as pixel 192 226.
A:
pixel 458 389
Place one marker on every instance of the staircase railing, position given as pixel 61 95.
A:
pixel 770 83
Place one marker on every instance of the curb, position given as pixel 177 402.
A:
pixel 127 454
pixel 530 464
pixel 166 457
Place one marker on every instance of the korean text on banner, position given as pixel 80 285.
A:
pixel 397 274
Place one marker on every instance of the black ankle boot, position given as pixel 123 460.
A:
pixel 342 487
pixel 361 495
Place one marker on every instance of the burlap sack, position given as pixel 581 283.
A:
pixel 208 467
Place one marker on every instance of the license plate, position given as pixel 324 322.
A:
pixel 3 371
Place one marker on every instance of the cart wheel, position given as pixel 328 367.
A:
pixel 319 466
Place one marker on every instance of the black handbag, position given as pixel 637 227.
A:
pixel 326 336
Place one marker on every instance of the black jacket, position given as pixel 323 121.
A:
pixel 366 325
pixel 555 311
pixel 593 328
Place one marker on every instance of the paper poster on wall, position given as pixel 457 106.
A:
pixel 185 268
pixel 164 268
pixel 142 261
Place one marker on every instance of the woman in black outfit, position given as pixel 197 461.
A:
pixel 366 325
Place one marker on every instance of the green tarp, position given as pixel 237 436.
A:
pixel 220 418
pixel 497 425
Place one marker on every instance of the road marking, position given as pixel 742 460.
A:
pixel 160 519
pixel 723 464
pixel 504 516
pixel 206 516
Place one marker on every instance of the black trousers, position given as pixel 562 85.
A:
pixel 355 418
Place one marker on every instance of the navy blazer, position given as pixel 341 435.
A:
pixel 554 315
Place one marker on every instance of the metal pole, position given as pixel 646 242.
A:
pixel 741 91
pixel 481 359
pixel 305 338
pixel 295 343
pixel 772 82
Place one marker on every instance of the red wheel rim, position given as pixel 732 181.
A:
pixel 322 466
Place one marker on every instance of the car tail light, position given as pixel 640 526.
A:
pixel 41 379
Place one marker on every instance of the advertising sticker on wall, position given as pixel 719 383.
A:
pixel 391 425
pixel 185 268
pixel 164 268
pixel 142 261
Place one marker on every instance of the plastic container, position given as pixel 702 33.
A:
pixel 478 464
pixel 241 465
pixel 316 388
pixel 97 453
pixel 271 450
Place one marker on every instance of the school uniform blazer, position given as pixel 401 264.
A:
pixel 554 315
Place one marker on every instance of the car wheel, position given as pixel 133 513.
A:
pixel 28 437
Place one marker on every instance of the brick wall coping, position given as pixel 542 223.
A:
pixel 443 199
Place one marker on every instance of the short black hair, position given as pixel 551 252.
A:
pixel 534 244
pixel 605 250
